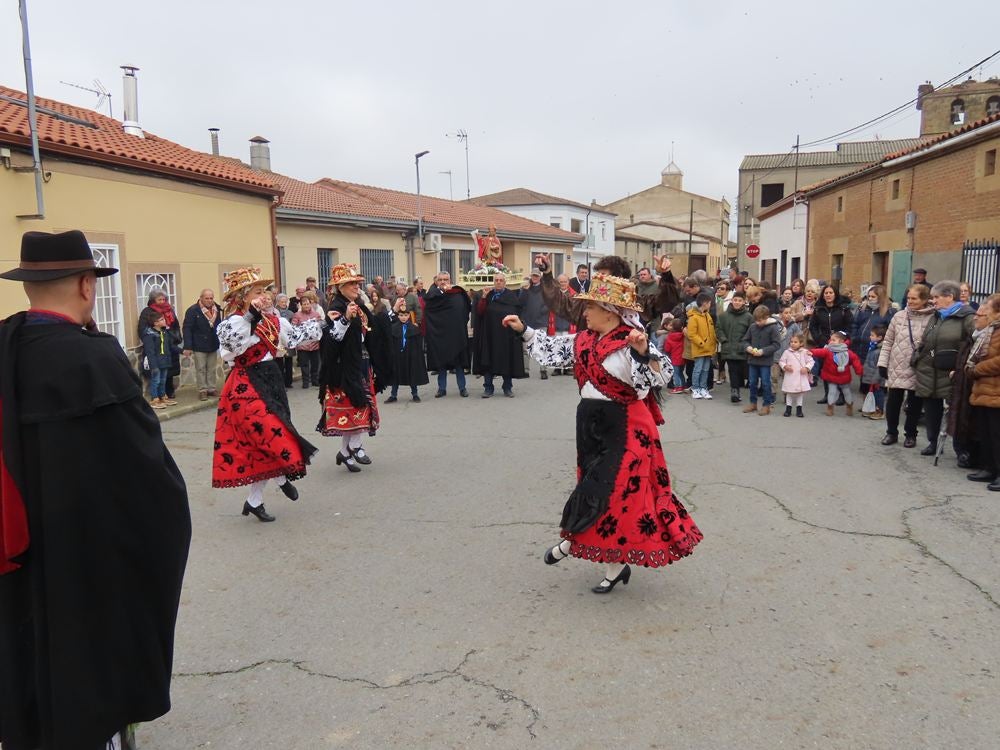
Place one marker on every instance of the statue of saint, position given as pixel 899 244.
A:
pixel 490 249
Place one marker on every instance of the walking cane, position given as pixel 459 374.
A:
pixel 942 433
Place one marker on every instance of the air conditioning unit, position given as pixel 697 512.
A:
pixel 911 220
pixel 432 243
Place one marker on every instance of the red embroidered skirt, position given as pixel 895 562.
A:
pixel 341 417
pixel 252 442
pixel 642 522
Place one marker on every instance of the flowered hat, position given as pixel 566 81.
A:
pixel 344 273
pixel 244 278
pixel 611 290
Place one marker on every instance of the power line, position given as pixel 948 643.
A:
pixel 896 110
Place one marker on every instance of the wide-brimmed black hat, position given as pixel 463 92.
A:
pixel 45 257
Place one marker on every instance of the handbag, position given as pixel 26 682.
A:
pixel 944 359
pixel 869 407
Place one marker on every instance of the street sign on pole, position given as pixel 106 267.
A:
pixel 753 251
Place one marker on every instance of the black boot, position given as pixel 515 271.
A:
pixel 788 410
pixel 798 411
pixel 734 395
pixel 826 393
pixel 259 511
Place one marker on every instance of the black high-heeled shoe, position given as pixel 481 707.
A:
pixel 551 559
pixel 260 511
pixel 361 457
pixel 348 461
pixel 623 577
pixel 289 490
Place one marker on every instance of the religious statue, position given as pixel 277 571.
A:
pixel 490 250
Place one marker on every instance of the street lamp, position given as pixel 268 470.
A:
pixel 411 270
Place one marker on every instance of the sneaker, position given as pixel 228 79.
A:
pixel 706 394
pixel 167 401
pixel 696 393
pixel 157 404
pixel 677 389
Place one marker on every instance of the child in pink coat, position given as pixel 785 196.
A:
pixel 796 363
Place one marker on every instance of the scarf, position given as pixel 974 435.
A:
pixel 166 311
pixel 210 312
pixel 840 356
pixel 951 310
pixel 980 345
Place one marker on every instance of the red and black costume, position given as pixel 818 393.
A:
pixel 255 439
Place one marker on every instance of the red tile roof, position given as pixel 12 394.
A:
pixel 454 214
pixel 330 199
pixel 107 142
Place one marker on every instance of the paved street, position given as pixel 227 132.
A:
pixel 846 595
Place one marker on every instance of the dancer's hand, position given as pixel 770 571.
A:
pixel 542 262
pixel 638 341
pixel 514 323
pixel 663 263
pixel 352 311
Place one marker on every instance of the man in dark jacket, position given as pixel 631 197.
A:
pixel 201 321
pixel 94 515
pixel 535 311
pixel 446 321
pixel 498 350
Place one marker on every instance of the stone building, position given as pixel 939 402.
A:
pixel 946 109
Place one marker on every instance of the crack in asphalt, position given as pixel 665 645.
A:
pixel 908 537
pixel 422 678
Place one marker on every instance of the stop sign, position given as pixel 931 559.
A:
pixel 753 251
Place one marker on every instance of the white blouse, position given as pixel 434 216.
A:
pixel 236 335
pixel 557 351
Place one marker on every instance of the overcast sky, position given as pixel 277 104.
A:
pixel 579 99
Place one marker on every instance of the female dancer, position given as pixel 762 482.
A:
pixel 623 510
pixel 254 437
pixel 353 340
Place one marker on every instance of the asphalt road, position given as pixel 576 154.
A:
pixel 846 595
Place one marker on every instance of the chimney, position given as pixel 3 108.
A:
pixel 923 90
pixel 260 154
pixel 214 132
pixel 131 100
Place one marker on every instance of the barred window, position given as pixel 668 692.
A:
pixel 376 263
pixel 145 283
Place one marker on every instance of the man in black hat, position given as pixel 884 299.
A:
pixel 94 519
pixel 920 277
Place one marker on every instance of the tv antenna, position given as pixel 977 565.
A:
pixel 99 91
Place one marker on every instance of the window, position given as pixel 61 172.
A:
pixel 446 263
pixel 958 112
pixel 558 264
pixel 325 261
pixel 145 283
pixel 376 263
pixel 993 106
pixel 604 230
pixel 576 225
pixel 771 192
pixel 895 190
pixel 990 165
pixel 840 204
pixel 466 259
pixel 556 221
pixel 108 312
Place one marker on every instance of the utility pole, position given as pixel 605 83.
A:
pixel 463 137
pixel 796 165
pixel 32 117
pixel 690 234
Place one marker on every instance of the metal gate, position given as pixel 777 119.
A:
pixel 981 267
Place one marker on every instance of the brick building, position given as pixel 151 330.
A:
pixel 914 208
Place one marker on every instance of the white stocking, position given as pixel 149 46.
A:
pixel 256 497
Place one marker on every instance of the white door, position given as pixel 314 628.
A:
pixel 108 311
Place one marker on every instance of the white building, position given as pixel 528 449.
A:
pixel 595 223
pixel 784 228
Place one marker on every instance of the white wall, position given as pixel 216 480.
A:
pixel 602 225
pixel 785 230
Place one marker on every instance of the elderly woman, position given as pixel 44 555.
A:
pixel 983 367
pixel 255 440
pixel 965 295
pixel 352 343
pixel 902 337
pixel 937 355
pixel 623 510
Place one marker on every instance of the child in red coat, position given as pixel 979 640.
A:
pixel 673 347
pixel 837 362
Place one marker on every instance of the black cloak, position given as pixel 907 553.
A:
pixel 408 367
pixel 498 350
pixel 344 364
pixel 446 321
pixel 87 621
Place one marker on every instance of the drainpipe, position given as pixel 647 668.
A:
pixel 32 116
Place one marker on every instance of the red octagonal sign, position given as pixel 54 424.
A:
pixel 753 251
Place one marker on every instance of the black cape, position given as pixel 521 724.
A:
pixel 498 350
pixel 87 622
pixel 408 367
pixel 446 322
pixel 343 363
